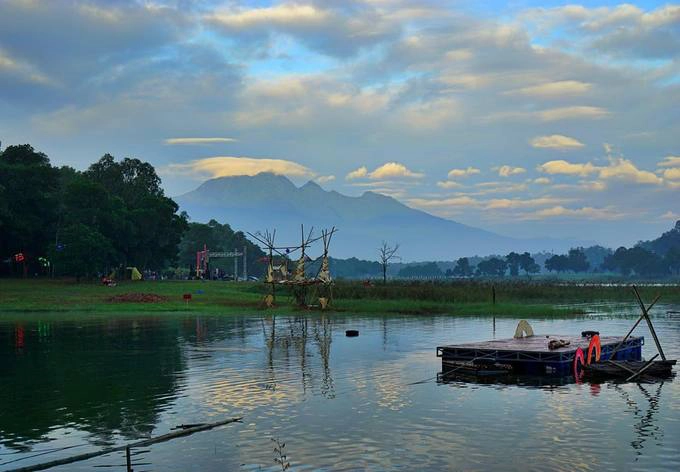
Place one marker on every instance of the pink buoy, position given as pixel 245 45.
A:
pixel 579 362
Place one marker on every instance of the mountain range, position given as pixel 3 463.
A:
pixel 268 201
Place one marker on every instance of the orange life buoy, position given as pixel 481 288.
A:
pixel 594 345
pixel 579 362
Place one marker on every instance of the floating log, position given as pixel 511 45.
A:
pixel 109 450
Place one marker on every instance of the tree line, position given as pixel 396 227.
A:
pixel 61 221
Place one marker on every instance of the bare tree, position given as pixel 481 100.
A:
pixel 387 254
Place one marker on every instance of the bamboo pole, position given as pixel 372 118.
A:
pixel 109 450
pixel 649 323
pixel 621 366
pixel 644 367
pixel 611 355
pixel 128 460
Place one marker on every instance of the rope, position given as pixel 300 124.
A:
pixel 448 371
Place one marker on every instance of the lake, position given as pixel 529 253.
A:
pixel 366 403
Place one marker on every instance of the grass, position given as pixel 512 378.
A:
pixel 514 298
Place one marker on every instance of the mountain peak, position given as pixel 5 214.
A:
pixel 311 185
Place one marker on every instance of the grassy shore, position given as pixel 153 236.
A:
pixel 513 298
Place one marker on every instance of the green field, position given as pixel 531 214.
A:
pixel 515 299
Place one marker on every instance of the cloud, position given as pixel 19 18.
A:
pixel 618 168
pixel 567 168
pixel 553 89
pixel 507 171
pixel 573 112
pixel 542 181
pixel 494 204
pixel 448 184
pixel 462 201
pixel 227 166
pixel 670 215
pixel 590 213
pixel 326 28
pixel 624 31
pixel 323 179
pixel 392 170
pixel 453 173
pixel 12 68
pixel 357 173
pixel 670 161
pixel 624 169
pixel 556 141
pixel 509 203
pixel 172 141
pixel 672 174
pixel 389 170
pixel 576 112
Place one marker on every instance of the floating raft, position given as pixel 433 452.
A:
pixel 530 355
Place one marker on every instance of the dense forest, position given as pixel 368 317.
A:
pixel 59 221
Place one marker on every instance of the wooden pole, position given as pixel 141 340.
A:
pixel 493 294
pixel 611 355
pixel 245 263
pixel 644 367
pixel 109 450
pixel 649 323
pixel 128 460
pixel 235 265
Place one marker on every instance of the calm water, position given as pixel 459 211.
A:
pixel 338 403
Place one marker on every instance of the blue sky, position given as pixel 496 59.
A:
pixel 526 118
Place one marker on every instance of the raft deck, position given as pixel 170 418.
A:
pixel 531 354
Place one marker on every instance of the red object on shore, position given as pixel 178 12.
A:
pixel 187 297
pixel 19 257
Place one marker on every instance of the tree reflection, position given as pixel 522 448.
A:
pixel 103 378
pixel 290 343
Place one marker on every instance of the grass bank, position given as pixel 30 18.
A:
pixel 514 299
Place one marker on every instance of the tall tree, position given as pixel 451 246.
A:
pixel 557 263
pixel 513 259
pixel 387 254
pixel 83 251
pixel 528 264
pixel 28 191
pixel 492 267
pixel 636 260
pixel 672 260
pixel 664 243
pixel 577 260
pixel 153 227
pixel 463 268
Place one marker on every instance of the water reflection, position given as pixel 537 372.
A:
pixel 645 427
pixel 87 376
pixel 372 402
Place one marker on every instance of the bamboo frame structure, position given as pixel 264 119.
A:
pixel 298 280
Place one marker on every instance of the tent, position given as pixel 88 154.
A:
pixel 130 273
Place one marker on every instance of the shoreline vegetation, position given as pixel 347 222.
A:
pixel 529 299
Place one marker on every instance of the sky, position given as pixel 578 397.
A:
pixel 526 118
